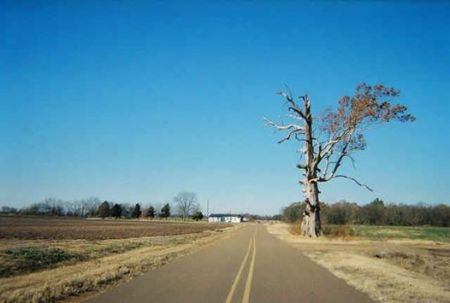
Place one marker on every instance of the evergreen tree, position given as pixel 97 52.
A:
pixel 150 212
pixel 165 211
pixel 136 211
pixel 116 211
pixel 103 210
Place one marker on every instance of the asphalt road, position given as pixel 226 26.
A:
pixel 250 266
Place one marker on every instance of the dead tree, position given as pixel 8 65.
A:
pixel 333 137
pixel 186 203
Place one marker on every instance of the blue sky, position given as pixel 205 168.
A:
pixel 136 101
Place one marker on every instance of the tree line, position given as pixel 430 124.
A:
pixel 186 206
pixel 375 213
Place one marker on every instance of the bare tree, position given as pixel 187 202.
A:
pixel 186 202
pixel 333 137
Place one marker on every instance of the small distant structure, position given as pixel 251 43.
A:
pixel 225 218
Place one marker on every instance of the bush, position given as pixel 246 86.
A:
pixel 293 212
pixel 339 231
pixel 198 215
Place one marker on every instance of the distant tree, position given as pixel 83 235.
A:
pixel 54 206
pixel 136 211
pixel 103 210
pixel 165 211
pixel 331 138
pixel 277 217
pixel 373 212
pixel 341 212
pixel 8 210
pixel 89 206
pixel 185 202
pixel 127 210
pixel 293 212
pixel 197 216
pixel 150 213
pixel 440 215
pixel 116 211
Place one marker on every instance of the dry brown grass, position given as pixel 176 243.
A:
pixel 106 261
pixel 329 231
pixel 388 271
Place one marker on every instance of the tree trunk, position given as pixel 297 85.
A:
pixel 311 225
pixel 311 217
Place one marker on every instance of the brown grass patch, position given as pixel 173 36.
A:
pixel 329 231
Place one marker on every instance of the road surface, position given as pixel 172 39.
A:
pixel 250 266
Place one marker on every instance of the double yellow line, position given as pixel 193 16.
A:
pixel 248 283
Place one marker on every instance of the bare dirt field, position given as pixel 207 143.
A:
pixel 407 268
pixel 51 259
pixel 93 229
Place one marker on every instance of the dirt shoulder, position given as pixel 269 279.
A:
pixel 388 271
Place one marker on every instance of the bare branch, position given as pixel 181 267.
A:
pixel 293 129
pixel 340 158
pixel 302 166
pixel 354 180
pixel 298 111
pixel 293 106
pixel 284 126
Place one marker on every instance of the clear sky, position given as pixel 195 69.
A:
pixel 134 101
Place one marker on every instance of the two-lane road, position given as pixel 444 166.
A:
pixel 250 266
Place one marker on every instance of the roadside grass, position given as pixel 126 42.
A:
pixel 27 256
pixel 373 232
pixel 27 259
pixel 329 231
pixel 21 260
pixel 439 234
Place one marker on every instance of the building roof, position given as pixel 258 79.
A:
pixel 224 215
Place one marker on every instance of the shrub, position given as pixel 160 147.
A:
pixel 339 231
pixel 198 215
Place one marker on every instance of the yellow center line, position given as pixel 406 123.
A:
pixel 248 284
pixel 238 276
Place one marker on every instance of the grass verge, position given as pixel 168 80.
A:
pixel 21 260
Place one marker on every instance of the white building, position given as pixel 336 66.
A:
pixel 224 218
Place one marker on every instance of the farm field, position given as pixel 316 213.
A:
pixel 93 229
pixel 53 259
pixel 391 264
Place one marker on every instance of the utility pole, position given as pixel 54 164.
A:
pixel 207 208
